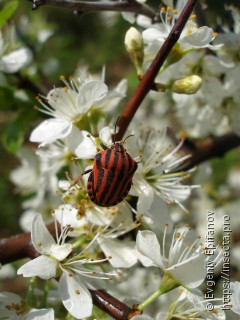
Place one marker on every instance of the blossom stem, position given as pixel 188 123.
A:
pixel 168 284
pixel 45 294
pixel 31 300
pixel 81 240
pixel 148 79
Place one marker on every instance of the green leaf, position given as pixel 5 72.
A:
pixel 7 11
pixel 13 135
pixel 8 101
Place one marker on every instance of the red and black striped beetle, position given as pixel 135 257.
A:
pixel 110 178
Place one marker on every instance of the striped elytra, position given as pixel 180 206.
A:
pixel 111 176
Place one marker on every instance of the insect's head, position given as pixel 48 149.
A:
pixel 118 147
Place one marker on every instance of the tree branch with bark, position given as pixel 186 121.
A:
pixel 82 7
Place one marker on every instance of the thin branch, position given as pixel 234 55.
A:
pixel 148 79
pixel 112 306
pixel 209 148
pixel 19 246
pixel 95 6
pixel 25 83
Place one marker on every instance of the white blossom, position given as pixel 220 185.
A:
pixel 181 255
pixel 235 297
pixel 159 172
pixel 191 305
pixel 14 307
pixel 68 105
pixel 110 223
pixel 37 176
pixel 11 58
pixel 73 271
pixel 192 37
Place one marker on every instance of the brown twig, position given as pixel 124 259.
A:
pixel 148 79
pixel 112 306
pixel 19 246
pixel 81 7
pixel 25 83
pixel 209 148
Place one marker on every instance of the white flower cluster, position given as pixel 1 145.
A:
pixel 188 70
pixel 142 248
pixel 11 58
pixel 70 133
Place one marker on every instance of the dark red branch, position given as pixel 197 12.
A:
pixel 95 6
pixel 19 246
pixel 148 79
pixel 112 306
pixel 210 148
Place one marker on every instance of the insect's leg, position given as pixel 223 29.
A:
pixel 87 171
pixel 103 146
pixel 79 177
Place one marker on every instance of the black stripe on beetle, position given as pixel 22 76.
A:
pixel 111 176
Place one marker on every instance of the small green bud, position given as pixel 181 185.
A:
pixel 188 85
pixel 135 47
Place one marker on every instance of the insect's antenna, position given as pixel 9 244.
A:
pixel 115 130
pixel 131 135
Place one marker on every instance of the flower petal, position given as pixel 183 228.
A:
pixel 6 299
pixel 40 314
pixel 97 216
pixel 82 144
pixel 61 252
pixel 200 38
pixel 190 272
pixel 43 267
pixel 90 92
pixel 158 209
pixel 142 317
pixel 146 197
pixel 235 296
pixel 148 245
pixel 152 34
pixel 105 135
pixel 51 130
pixel 15 60
pixel 123 255
pixel 145 261
pixel 41 237
pixel 144 192
pixel 75 296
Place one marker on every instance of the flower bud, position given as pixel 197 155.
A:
pixel 188 85
pixel 135 47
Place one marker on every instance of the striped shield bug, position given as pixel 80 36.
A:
pixel 111 176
